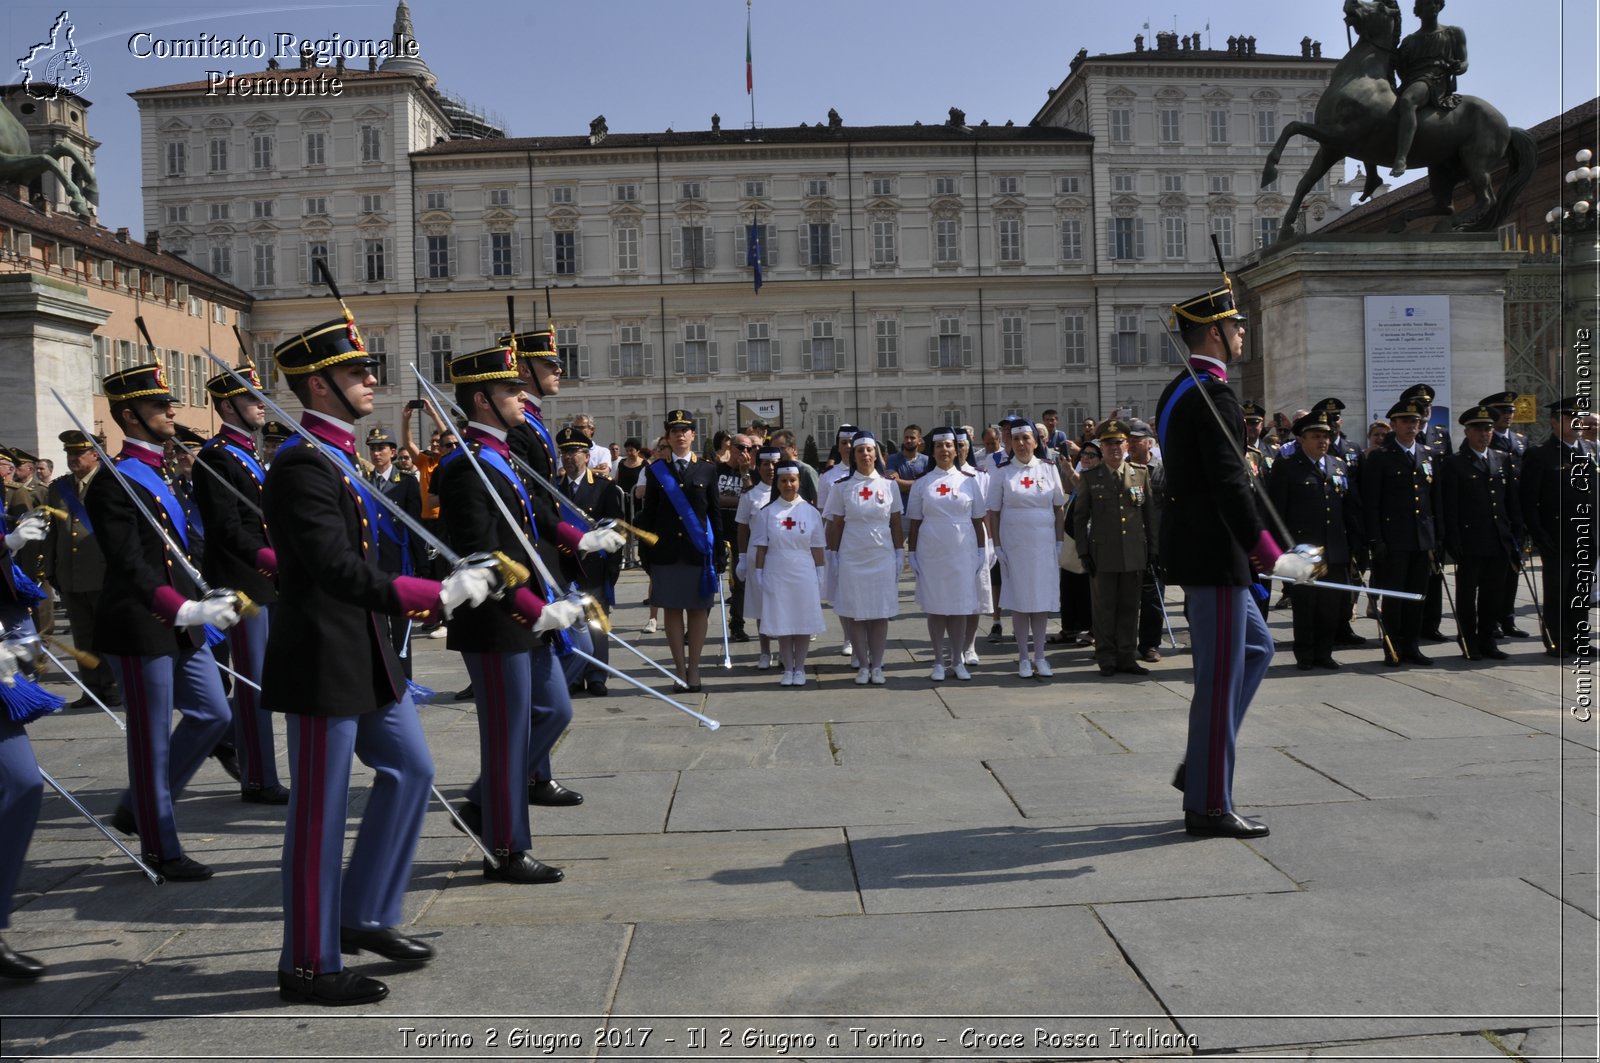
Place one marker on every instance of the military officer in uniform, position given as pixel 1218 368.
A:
pixel 1482 530
pixel 1436 437
pixel 1114 533
pixel 1312 491
pixel 500 639
pixel 153 624
pixel 399 552
pixel 1258 453
pixel 1212 538
pixel 1558 499
pixel 273 435
pixel 599 499
pixel 73 562
pixel 238 555
pixel 23 494
pixel 1401 502
pixel 331 669
pixel 1503 404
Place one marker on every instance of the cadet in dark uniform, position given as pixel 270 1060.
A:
pixel 1482 527
pixel 1211 539
pixel 150 625
pixel 500 639
pixel 1401 502
pixel 1558 504
pixel 599 499
pixel 237 555
pixel 73 560
pixel 399 552
pixel 1312 492
pixel 1503 404
pixel 331 668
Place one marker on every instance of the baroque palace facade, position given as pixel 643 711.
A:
pixel 932 273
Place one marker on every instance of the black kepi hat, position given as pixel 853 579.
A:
pixel 1406 408
pixel 1418 391
pixel 336 342
pixel 570 438
pixel 1507 399
pixel 484 366
pixel 1206 308
pixel 379 438
pixel 1315 421
pixel 226 385
pixel 140 382
pixel 679 419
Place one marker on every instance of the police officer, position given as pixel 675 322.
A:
pixel 1435 437
pixel 1258 453
pixel 73 561
pixel 399 552
pixel 1503 404
pixel 1312 491
pixel 1558 495
pixel 237 555
pixel 1482 529
pixel 1401 502
pixel 152 622
pixel 333 672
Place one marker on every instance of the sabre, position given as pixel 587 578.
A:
pixel 149 873
pixel 1161 596
pixel 722 605
pixel 1444 584
pixel 614 637
pixel 1391 656
pixel 711 725
pixel 45 649
pixel 1544 631
pixel 1405 596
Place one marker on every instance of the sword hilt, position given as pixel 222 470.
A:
pixel 509 574
pixel 242 601
pixel 649 538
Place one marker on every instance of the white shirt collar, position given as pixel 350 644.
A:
pixel 154 448
pixel 499 434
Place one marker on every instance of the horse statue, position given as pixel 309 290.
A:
pixel 20 164
pixel 1355 118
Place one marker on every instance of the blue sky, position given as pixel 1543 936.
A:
pixel 548 68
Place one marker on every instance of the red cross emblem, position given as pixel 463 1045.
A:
pixel 944 489
pixel 1027 482
pixel 866 493
pixel 788 523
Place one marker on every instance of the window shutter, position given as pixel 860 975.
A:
pixel 454 266
pixel 677 359
pixel 805 244
pixel 837 257
pixel 616 361
pixel 388 258
pixel 677 247
pixel 805 355
pixel 712 363
pixel 516 254
pixel 933 351
pixel 741 356
pixel 649 360
pixel 583 361
pixel 1111 238
pixel 1144 348
pixel 777 363
pixel 966 352
pixel 483 254
pixel 549 254
pixel 740 245
pixel 420 250
pixel 1138 238
pixel 307 270
pixel 708 241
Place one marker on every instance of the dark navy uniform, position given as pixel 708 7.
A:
pixel 1319 504
pixel 399 552
pixel 1558 496
pixel 1515 446
pixel 1401 501
pixel 331 668
pixel 159 666
pixel 75 566
pixel 1482 529
pixel 238 555
pixel 598 499
pixel 1436 438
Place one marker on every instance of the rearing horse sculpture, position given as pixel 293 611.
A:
pixel 1355 119
pixel 19 163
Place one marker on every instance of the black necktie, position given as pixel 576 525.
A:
pixel 683 467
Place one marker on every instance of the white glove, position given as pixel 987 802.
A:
pixel 558 615
pixel 1000 559
pixel 221 612
pixel 465 586
pixel 822 581
pixel 916 565
pixel 12 658
pixel 1298 565
pixel 596 539
pixel 741 569
pixel 899 562
pixel 755 578
pixel 30 529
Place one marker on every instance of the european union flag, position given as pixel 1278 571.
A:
pixel 753 251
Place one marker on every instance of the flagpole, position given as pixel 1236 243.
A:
pixel 749 68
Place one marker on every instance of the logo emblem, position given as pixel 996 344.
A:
pixel 54 66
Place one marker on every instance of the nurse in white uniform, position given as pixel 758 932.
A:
pixel 825 483
pixel 945 539
pixel 1026 504
pixel 786 542
pixel 750 502
pixel 863 514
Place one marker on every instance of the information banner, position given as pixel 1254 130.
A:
pixel 1408 342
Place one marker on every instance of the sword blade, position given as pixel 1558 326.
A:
pixel 708 721
pixel 1378 592
pixel 149 873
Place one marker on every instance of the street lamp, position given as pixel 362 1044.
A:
pixel 718 408
pixel 802 413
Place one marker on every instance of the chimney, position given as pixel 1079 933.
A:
pixel 152 241
pixel 122 234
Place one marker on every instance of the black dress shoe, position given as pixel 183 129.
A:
pixel 183 869
pixel 337 990
pixel 1133 669
pixel 1435 636
pixel 1349 638
pixel 738 635
pixel 122 819
pixel 387 942
pixel 549 792
pixel 228 757
pixel 1327 662
pixel 523 868
pixel 1304 666
pixel 1222 825
pixel 472 815
pixel 693 688
pixel 112 698
pixel 597 688
pixel 1417 657
pixel 464 694
pixel 1511 631
pixel 1108 669
pixel 265 795
pixel 574 690
pixel 1495 653
pixel 1180 776
pixel 14 964
pixel 84 702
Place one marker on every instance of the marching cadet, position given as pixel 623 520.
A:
pixel 1115 539
pixel 399 552
pixel 1558 504
pixel 153 622
pixel 599 499
pixel 73 560
pixel 1401 505
pixel 1482 527
pixel 1311 490
pixel 500 640
pixel 1503 404
pixel 237 555
pixel 331 669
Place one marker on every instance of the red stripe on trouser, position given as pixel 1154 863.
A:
pixel 310 760
pixel 1221 709
pixel 494 704
pixel 245 702
pixel 140 768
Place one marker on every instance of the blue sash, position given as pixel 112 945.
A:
pixel 74 504
pixel 1186 385
pixel 356 482
pixel 247 459
pixel 564 509
pixel 698 529
pixel 391 529
pixel 147 478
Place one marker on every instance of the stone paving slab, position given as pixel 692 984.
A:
pixel 967 868
pixel 1141 783
pixel 981 699
pixel 84 967
pixel 1000 737
pixel 750 798
pixel 1447 765
pixel 664 746
pixel 1268 724
pixel 1414 714
pixel 634 802
pixel 1394 961
pixel 1572 1040
pixel 1577 888
pixel 627 879
pixel 835 699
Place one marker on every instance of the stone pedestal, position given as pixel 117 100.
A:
pixel 46 330
pixel 1307 300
